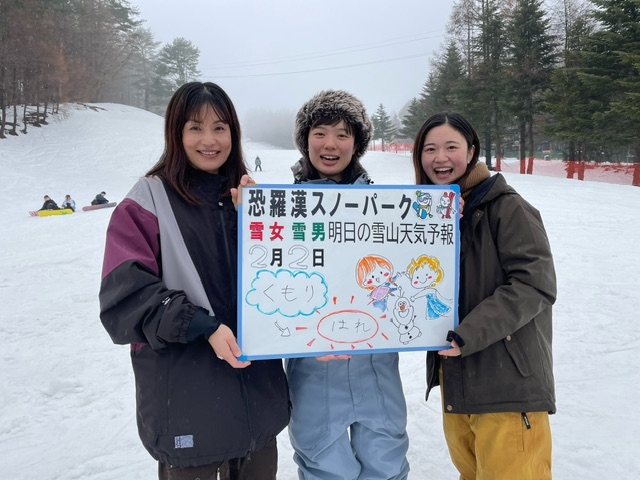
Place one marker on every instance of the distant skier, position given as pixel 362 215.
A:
pixel 49 204
pixel 258 164
pixel 69 203
pixel 100 199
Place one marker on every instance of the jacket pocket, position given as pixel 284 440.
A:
pixel 518 355
pixel 389 392
pixel 150 372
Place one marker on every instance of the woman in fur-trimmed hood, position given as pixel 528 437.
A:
pixel 329 107
pixel 349 415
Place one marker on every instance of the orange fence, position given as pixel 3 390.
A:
pixel 620 173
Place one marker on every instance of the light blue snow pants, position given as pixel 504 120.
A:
pixel 348 418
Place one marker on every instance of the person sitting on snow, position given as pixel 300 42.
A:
pixel 49 204
pixel 69 203
pixel 100 199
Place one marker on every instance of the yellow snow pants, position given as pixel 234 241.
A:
pixel 500 446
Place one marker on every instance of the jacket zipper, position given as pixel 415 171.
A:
pixel 240 373
pixel 226 242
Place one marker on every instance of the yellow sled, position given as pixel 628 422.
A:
pixel 48 213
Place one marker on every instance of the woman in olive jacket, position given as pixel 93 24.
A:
pixel 497 378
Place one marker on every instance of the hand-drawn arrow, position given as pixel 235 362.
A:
pixel 284 332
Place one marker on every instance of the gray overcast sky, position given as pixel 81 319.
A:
pixel 276 54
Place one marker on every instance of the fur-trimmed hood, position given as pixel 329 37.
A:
pixel 339 104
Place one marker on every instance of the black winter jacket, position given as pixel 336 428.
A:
pixel 507 289
pixel 167 262
pixel 50 205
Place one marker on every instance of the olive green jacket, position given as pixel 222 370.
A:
pixel 507 289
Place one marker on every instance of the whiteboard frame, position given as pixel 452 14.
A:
pixel 268 321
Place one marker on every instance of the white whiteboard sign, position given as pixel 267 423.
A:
pixel 334 269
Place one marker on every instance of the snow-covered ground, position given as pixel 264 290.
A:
pixel 67 393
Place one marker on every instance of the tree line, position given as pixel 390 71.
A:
pixel 565 74
pixel 526 77
pixel 56 51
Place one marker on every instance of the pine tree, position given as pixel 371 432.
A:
pixel 481 94
pixel 413 120
pixel 612 72
pixel 383 127
pixel 146 51
pixel 568 99
pixel 176 64
pixel 438 92
pixel 531 62
pixel 448 73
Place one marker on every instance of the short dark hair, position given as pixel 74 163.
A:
pixel 329 107
pixel 456 121
pixel 186 104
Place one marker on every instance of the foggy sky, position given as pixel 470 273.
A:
pixel 276 54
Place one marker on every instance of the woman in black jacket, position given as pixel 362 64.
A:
pixel 169 289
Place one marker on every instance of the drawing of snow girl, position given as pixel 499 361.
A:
pixel 425 273
pixel 375 273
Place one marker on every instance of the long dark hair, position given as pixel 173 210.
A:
pixel 351 171
pixel 186 104
pixel 459 123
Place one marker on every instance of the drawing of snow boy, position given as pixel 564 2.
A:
pixel 404 319
pixel 445 209
pixel 422 205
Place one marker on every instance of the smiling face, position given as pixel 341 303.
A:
pixel 445 155
pixel 424 276
pixel 403 311
pixel 207 141
pixel 378 276
pixel 425 199
pixel 331 148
